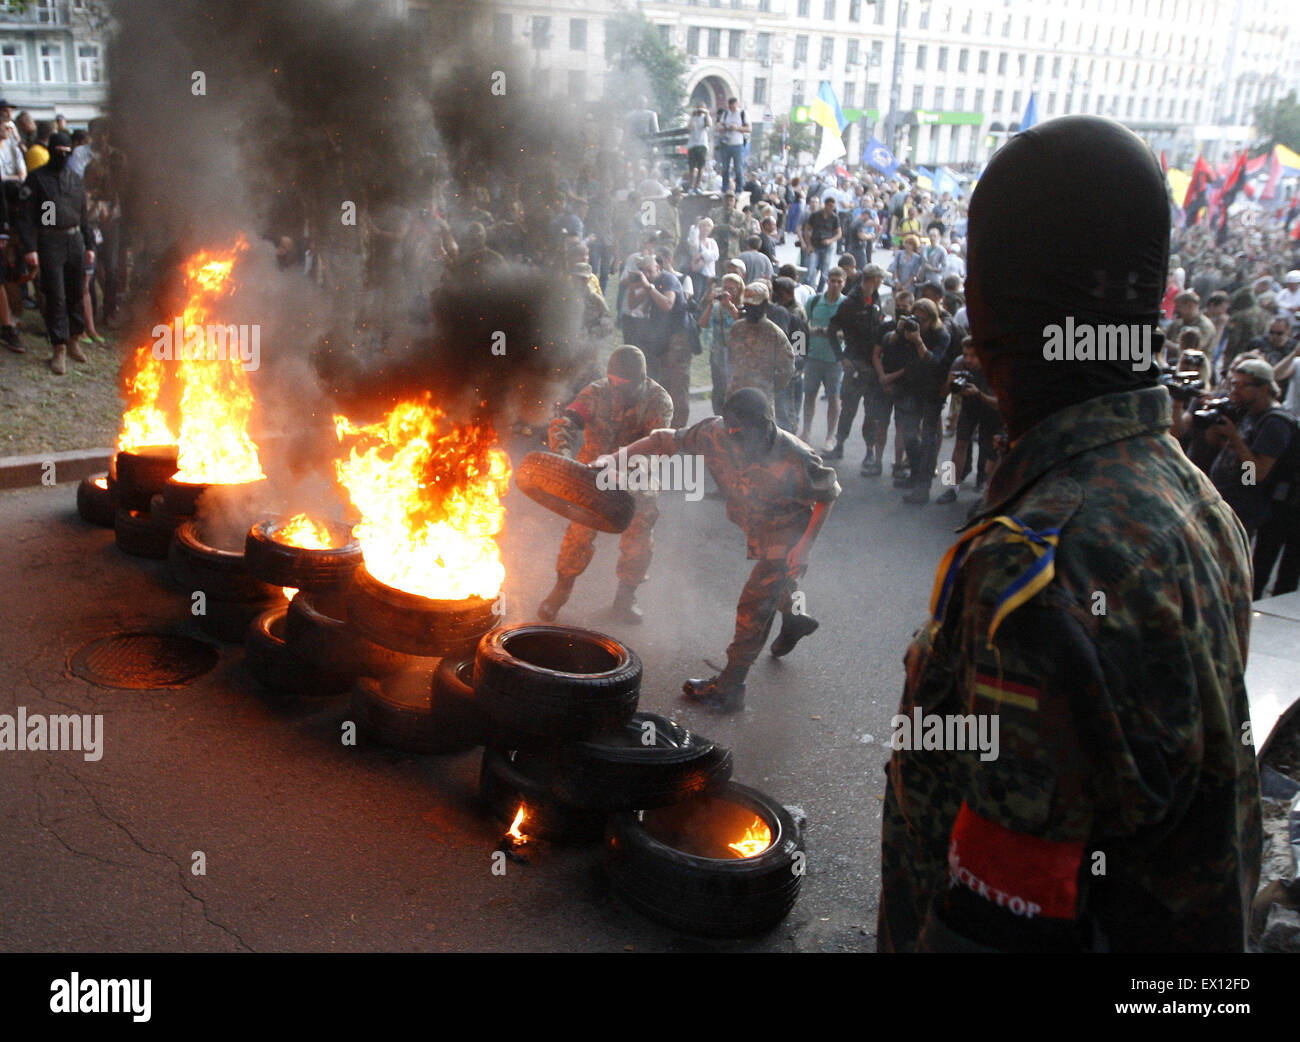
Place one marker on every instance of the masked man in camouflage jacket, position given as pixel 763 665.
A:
pixel 605 416
pixel 779 493
pixel 1091 621
pixel 758 352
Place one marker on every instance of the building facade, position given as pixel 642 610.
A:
pixel 52 58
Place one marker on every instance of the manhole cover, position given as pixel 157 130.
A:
pixel 142 661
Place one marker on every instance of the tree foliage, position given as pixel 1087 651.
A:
pixel 1280 121
pixel 800 137
pixel 645 64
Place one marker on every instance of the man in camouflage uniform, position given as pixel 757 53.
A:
pixel 760 355
pixel 779 493
pixel 1096 611
pixel 730 229
pixel 605 416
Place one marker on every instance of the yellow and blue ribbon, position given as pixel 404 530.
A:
pixel 1035 579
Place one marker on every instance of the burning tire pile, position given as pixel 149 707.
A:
pixel 401 613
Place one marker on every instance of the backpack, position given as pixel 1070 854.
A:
pixel 1282 486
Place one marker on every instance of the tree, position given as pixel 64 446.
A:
pixel 647 65
pixel 1280 121
pixel 799 138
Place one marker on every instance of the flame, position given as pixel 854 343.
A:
pixel 429 495
pixel 757 838
pixel 101 483
pixel 513 831
pixel 302 531
pixel 216 398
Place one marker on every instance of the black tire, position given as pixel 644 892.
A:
pixel 95 501
pixel 617 772
pixel 141 473
pixel 453 689
pixel 317 631
pixel 220 574
pixel 277 669
pixel 136 533
pixel 509 779
pixel 416 625
pixel 182 498
pixel 714 896
pixel 556 682
pixel 568 488
pixel 162 515
pixel 405 712
pixel 283 565
pixel 229 621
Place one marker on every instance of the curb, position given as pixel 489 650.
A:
pixel 29 471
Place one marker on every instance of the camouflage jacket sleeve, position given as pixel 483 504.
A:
pixel 567 431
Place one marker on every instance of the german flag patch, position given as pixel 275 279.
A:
pixel 1008 688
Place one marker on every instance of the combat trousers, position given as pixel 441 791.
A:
pixel 768 590
pixel 677 377
pixel 635 546
pixel 63 279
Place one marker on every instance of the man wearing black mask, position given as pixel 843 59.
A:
pixel 760 354
pixel 779 493
pixel 54 229
pixel 1093 617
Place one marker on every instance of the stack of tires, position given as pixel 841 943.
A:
pixel 138 479
pixel 224 597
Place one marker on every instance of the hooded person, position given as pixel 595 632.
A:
pixel 779 492
pixel 1092 617
pixel 605 416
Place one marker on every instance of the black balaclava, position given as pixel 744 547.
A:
pixel 58 160
pixel 1070 219
pixel 750 411
pixel 755 312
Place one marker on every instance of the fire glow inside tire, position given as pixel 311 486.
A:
pixel 220 574
pixel 96 502
pixel 304 569
pixel 413 624
pixel 672 866
pixel 556 682
pixel 568 488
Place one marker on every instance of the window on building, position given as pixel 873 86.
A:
pixel 1146 106
pixel 714 45
pixel 801 48
pixel 693 40
pixel 988 24
pixel 852 56
pixel 796 93
pixel 1002 64
pixel 963 60
pixel 918 94
pixel 828 10
pixel 997 101
pixel 760 90
pixel 938 97
pixel 89 69
pixel 959 99
pixel 764 46
pixel 47 13
pixel 966 25
pixel 828 51
pixel 1006 27
pixel 1038 67
pixel 877 52
pixel 1186 104
pixel 873 96
pixel 501 29
pixel 1020 66
pixel 1128 109
pixel 765 6
pixel 541 32
pixel 578 34
pixel 983 62
pixel 920 56
pixel 1015 101
pixel 979 99
pixel 577 84
pixel 849 90
pixel 733 43
pixel 941 59
pixel 879 8
pixel 855 10
pixel 924 22
pixel 13 63
pixel 805 8
pixel 1056 68
pixel 51 62
pixel 1051 103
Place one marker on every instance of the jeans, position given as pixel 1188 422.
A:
pixel 820 261
pixel 919 422
pixel 731 154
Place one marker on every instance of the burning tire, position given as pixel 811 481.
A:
pixel 220 574
pixel 407 711
pixel 142 473
pixel 622 771
pixel 569 489
pixel 509 780
pixel 674 864
pixel 317 632
pixel 305 569
pixel 275 666
pixel 137 534
pixel 182 497
pixel 556 682
pixel 95 501
pixel 416 625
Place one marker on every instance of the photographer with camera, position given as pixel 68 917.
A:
pixel 979 413
pixel 1254 433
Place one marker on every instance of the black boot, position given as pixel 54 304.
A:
pixel 556 599
pixel 625 609
pixel 793 629
pixel 724 693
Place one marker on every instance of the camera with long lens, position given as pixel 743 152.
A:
pixel 1182 387
pixel 908 325
pixel 1215 411
pixel 960 382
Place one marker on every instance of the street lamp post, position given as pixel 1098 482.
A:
pixel 896 82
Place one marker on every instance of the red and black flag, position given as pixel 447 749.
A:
pixel 1222 197
pixel 1198 189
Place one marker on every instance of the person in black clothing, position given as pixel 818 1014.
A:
pixel 920 405
pixel 54 229
pixel 862 325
